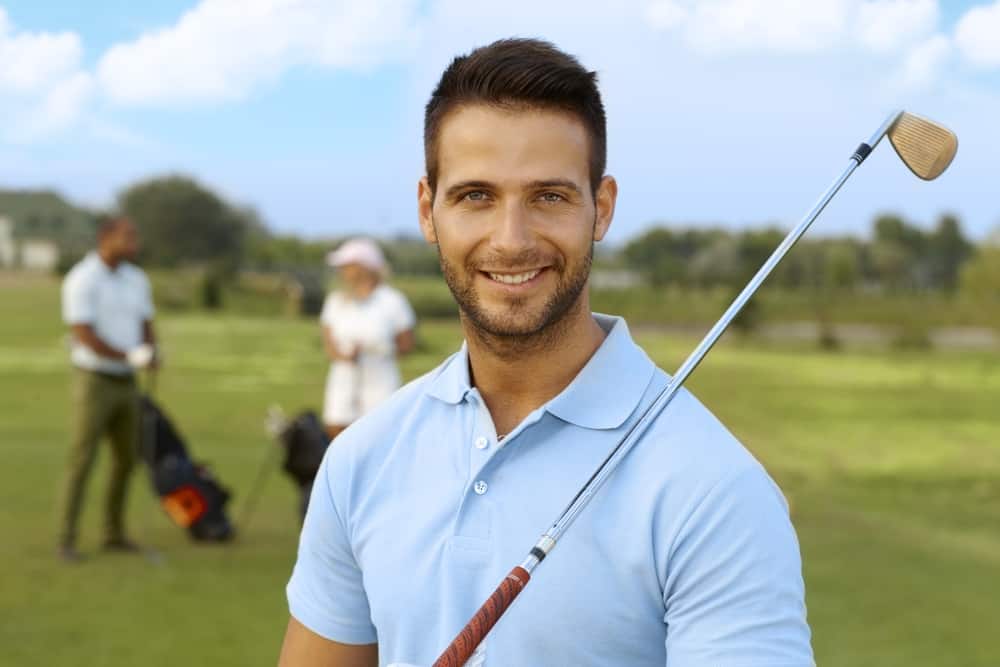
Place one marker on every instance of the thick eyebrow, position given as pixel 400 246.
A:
pixel 556 183
pixel 453 191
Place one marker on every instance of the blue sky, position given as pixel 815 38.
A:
pixel 729 112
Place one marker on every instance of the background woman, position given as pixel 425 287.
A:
pixel 366 325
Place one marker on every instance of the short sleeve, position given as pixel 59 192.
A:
pixel 734 593
pixel 79 298
pixel 401 314
pixel 326 593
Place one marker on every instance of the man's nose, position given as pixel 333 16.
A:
pixel 512 233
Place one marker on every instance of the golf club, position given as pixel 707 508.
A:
pixel 924 146
pixel 274 424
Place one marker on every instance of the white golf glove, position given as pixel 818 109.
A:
pixel 141 356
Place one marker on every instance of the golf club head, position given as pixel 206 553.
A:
pixel 924 146
pixel 276 421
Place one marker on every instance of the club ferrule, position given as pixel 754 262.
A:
pixel 862 151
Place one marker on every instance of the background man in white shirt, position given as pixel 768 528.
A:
pixel 107 304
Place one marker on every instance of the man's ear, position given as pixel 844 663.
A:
pixel 425 210
pixel 604 200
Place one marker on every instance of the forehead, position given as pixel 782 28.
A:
pixel 497 144
pixel 121 228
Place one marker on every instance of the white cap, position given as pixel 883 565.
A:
pixel 359 251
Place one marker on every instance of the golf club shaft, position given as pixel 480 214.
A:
pixel 462 647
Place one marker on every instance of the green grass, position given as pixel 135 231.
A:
pixel 891 462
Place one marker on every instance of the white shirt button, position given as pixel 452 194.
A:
pixel 482 443
pixel 480 487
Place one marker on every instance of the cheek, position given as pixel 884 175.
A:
pixel 456 240
pixel 572 240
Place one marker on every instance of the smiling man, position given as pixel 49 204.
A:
pixel 687 557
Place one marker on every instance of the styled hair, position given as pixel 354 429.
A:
pixel 518 74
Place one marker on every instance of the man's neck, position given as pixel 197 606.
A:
pixel 514 381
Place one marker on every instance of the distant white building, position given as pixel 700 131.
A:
pixel 8 248
pixel 39 255
pixel 29 254
pixel 614 279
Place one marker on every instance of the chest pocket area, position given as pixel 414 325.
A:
pixel 120 303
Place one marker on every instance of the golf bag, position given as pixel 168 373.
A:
pixel 188 491
pixel 305 442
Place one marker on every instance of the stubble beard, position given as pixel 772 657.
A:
pixel 516 330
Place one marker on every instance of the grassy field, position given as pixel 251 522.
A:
pixel 891 462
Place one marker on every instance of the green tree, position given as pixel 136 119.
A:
pixel 663 255
pixel 898 253
pixel 947 250
pixel 841 265
pixel 980 276
pixel 182 222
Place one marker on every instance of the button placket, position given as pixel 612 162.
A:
pixel 482 441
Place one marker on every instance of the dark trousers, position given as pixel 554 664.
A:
pixel 101 405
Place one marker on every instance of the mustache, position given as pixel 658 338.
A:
pixel 529 259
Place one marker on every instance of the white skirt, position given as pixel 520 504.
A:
pixel 355 388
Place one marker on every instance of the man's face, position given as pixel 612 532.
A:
pixel 513 215
pixel 122 242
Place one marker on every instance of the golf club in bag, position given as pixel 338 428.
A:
pixel 301 442
pixel 924 146
pixel 188 491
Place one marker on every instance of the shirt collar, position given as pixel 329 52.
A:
pixel 95 258
pixel 602 395
pixel 453 381
pixel 608 389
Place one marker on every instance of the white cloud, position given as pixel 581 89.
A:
pixel 222 49
pixel 923 64
pixel 887 25
pixel 61 106
pixel 30 62
pixel 977 35
pixel 725 26
pixel 43 88
pixel 795 26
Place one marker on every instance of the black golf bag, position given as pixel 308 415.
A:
pixel 305 442
pixel 188 491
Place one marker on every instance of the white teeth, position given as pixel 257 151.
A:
pixel 515 278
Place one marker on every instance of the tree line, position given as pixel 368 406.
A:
pixel 898 257
pixel 184 223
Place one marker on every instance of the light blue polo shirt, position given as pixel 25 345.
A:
pixel 685 558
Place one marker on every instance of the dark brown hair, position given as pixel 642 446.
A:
pixel 519 74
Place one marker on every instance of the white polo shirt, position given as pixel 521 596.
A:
pixel 685 558
pixel 114 302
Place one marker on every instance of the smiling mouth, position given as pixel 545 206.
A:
pixel 513 278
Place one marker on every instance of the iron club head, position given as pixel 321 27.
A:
pixel 924 146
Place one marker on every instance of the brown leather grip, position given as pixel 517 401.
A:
pixel 463 646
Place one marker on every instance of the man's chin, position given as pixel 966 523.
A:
pixel 507 324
